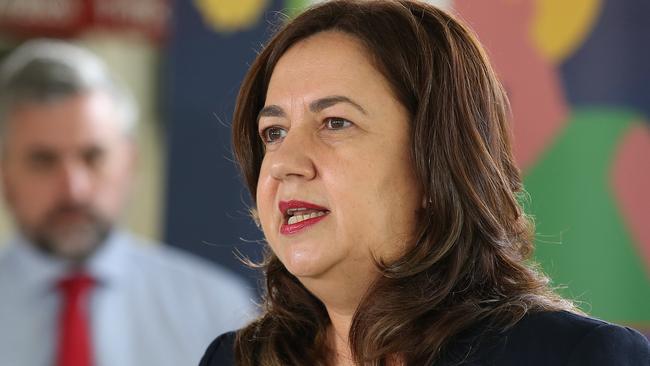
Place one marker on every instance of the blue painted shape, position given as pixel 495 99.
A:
pixel 206 202
pixel 612 67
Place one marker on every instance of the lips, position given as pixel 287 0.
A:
pixel 299 215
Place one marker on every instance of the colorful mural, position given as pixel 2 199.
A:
pixel 230 16
pixel 578 82
pixel 578 78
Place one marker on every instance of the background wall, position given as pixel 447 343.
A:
pixel 579 83
pixel 578 78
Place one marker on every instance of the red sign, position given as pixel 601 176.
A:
pixel 68 18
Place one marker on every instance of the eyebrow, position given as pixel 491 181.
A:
pixel 271 111
pixel 315 106
pixel 320 104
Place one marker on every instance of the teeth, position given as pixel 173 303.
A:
pixel 298 218
pixel 292 211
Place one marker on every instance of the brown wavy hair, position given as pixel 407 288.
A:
pixel 470 261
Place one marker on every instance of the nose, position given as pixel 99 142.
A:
pixel 75 182
pixel 293 159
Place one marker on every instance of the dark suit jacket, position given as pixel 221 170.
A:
pixel 539 339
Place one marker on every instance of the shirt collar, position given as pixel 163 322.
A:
pixel 40 270
pixel 108 264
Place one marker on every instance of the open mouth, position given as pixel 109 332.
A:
pixel 294 216
pixel 299 215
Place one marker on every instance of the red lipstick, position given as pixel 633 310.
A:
pixel 293 208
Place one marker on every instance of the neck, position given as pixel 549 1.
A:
pixel 341 314
pixel 341 302
pixel 338 337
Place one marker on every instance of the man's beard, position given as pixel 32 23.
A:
pixel 75 240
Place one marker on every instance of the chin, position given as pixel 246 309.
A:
pixel 302 269
pixel 304 265
pixel 75 243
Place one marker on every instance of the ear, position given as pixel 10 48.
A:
pixel 426 199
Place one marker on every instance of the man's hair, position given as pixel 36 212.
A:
pixel 43 70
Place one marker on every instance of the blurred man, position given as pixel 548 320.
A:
pixel 74 289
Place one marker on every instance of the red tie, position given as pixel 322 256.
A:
pixel 74 333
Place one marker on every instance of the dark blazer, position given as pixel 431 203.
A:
pixel 539 339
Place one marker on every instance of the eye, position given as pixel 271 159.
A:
pixel 335 123
pixel 273 134
pixel 93 156
pixel 42 160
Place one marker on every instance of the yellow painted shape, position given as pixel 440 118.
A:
pixel 561 26
pixel 231 15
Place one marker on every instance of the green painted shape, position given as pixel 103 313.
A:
pixel 582 241
pixel 294 7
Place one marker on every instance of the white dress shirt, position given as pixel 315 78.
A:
pixel 152 305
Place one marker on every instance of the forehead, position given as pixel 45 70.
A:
pixel 326 62
pixel 77 119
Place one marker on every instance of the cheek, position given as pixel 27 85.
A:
pixel 111 191
pixel 378 207
pixel 111 186
pixel 265 197
pixel 30 199
pixel 352 191
pixel 266 209
pixel 403 201
pixel 32 189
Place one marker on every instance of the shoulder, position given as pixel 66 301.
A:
pixel 585 340
pixel 221 351
pixel 609 344
pixel 5 260
pixel 182 280
pixel 163 259
pixel 563 338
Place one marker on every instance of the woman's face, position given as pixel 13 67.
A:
pixel 337 185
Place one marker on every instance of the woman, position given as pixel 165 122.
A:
pixel 374 138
